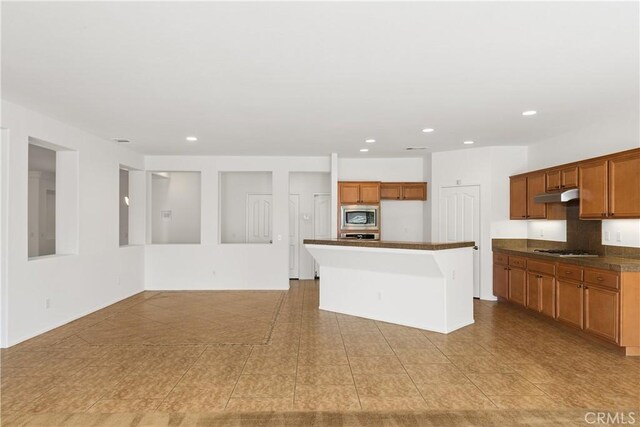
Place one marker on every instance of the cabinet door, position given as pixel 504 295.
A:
pixel 553 180
pixel 414 191
pixel 569 303
pixel 569 177
pixel 518 286
pixel 349 192
pixel 518 197
pixel 624 187
pixel 370 192
pixel 391 191
pixel 535 186
pixel 547 295
pixel 593 189
pixel 533 291
pixel 601 312
pixel 500 281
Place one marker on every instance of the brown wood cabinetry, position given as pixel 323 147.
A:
pixel 522 191
pixel 593 189
pixel 562 179
pixel 359 192
pixel 403 191
pixel 609 188
pixel 518 285
pixel 624 187
pixel 501 281
pixel 601 312
pixel 570 310
pixel 601 303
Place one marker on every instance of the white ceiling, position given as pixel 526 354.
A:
pixel 288 78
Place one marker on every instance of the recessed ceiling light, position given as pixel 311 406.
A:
pixel 192 138
pixel 529 113
pixel 369 141
pixel 427 130
pixel 364 150
pixel 126 200
pixel 468 142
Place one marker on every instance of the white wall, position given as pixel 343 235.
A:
pixel 554 230
pixel 234 188
pixel 490 168
pixel 101 272
pixel 400 220
pixel 603 137
pixel 178 192
pixel 306 184
pixel 211 265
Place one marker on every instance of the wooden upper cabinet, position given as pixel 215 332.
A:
pixel 569 177
pixel 349 192
pixel 359 192
pixel 518 197
pixel 624 187
pixel 535 186
pixel 391 191
pixel 552 180
pixel 414 191
pixel 403 191
pixel 593 184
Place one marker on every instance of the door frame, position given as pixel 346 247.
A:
pixel 316 270
pixel 297 243
pixel 480 246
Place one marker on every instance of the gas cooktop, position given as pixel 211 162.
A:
pixel 566 252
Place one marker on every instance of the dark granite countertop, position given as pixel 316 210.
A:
pixel 425 246
pixel 602 262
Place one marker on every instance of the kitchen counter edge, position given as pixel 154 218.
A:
pixel 602 262
pixel 425 246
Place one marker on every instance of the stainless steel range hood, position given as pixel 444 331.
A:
pixel 560 197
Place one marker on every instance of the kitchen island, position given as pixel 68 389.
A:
pixel 424 285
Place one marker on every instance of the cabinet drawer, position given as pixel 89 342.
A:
pixel 499 258
pixel 541 267
pixel 515 261
pixel 571 272
pixel 608 279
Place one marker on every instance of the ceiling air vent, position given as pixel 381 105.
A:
pixel 415 148
pixel 121 140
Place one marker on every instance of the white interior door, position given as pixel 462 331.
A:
pixel 294 236
pixel 259 209
pixel 321 220
pixel 460 221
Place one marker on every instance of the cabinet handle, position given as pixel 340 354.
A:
pixel 600 279
pixel 586 287
pixel 579 286
pixel 568 272
pixel 611 214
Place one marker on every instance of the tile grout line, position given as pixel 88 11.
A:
pixel 182 376
pixel 295 381
pixel 348 361
pixel 238 380
pixel 402 364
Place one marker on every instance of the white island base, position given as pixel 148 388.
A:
pixel 426 289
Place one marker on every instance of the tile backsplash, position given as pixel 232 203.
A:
pixel 586 235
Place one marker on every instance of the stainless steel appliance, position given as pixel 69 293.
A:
pixel 360 236
pixel 565 252
pixel 359 217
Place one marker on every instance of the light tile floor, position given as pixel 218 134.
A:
pixel 237 352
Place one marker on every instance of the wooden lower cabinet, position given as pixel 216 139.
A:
pixel 501 281
pixel 541 293
pixel 570 303
pixel 518 285
pixel 601 312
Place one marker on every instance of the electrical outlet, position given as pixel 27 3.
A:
pixel 541 232
pixel 618 236
pixel 607 236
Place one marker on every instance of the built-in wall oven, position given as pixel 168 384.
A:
pixel 359 218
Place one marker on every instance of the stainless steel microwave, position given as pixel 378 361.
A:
pixel 359 217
